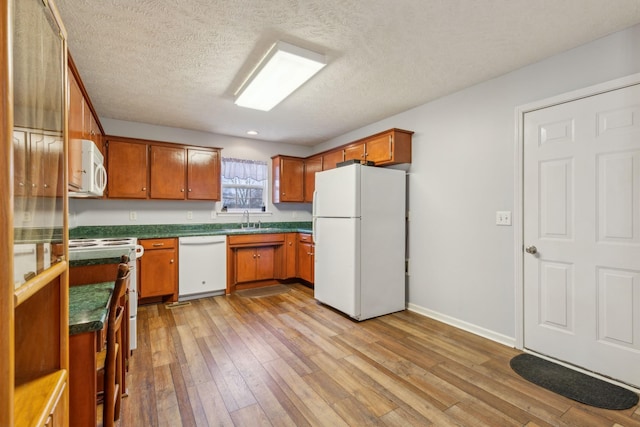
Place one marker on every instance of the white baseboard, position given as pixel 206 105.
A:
pixel 465 326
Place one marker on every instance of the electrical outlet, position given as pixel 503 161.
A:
pixel 27 216
pixel 503 217
pixel 214 214
pixel 133 216
pixel 189 215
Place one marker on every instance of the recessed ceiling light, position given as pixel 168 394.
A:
pixel 252 132
pixel 281 71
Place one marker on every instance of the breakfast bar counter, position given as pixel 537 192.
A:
pixel 88 309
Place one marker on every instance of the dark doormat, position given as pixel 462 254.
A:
pixel 572 384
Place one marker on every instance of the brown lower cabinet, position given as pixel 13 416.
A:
pixel 255 260
pixel 158 269
pixel 255 264
pixel 305 257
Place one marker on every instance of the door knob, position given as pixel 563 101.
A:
pixel 531 249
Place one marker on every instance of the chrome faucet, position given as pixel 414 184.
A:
pixel 246 212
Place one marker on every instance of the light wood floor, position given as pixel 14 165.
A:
pixel 286 360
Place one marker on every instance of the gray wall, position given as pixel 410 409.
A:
pixel 462 264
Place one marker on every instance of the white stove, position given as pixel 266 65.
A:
pixel 87 249
pixel 82 249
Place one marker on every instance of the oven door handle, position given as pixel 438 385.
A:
pixel 139 251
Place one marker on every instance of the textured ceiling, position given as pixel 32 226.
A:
pixel 178 62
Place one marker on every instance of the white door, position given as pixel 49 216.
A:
pixel 582 215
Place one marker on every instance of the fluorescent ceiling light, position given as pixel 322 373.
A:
pixel 283 69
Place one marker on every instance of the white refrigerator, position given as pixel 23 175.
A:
pixel 359 235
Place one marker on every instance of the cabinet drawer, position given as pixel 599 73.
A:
pixel 158 243
pixel 307 238
pixel 253 239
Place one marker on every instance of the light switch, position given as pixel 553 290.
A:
pixel 189 215
pixel 133 216
pixel 503 217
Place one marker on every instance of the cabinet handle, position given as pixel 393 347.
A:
pixel 21 184
pixel 144 188
pixel 182 190
pixel 390 148
pixel 258 255
pixel 171 262
pixel 254 255
pixel 290 243
pixel 189 190
pixel 155 245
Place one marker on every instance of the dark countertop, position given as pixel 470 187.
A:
pixel 184 230
pixel 174 230
pixel 88 306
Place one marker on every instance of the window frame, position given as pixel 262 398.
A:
pixel 264 187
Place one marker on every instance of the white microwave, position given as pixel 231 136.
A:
pixel 94 175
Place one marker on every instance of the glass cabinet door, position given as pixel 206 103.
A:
pixel 38 139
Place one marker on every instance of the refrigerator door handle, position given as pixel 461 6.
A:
pixel 313 213
pixel 313 231
pixel 314 203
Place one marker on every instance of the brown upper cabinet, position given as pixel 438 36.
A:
pixel 83 124
pixel 356 151
pixel 141 169
pixel 294 177
pixel 389 148
pixel 127 166
pixel 288 179
pixel 311 166
pixel 332 158
pixel 167 172
pixel 203 174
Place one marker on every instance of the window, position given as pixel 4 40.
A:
pixel 244 184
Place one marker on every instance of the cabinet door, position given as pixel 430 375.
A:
pixel 380 149
pixel 53 162
pixel 158 272
pixel 330 159
pixel 245 265
pixel 265 258
pixel 126 170
pixel 20 149
pixel 290 255
pixel 203 175
pixel 305 261
pixel 94 130
pixel 291 180
pixel 311 166
pixel 167 172
pixel 76 126
pixel 355 151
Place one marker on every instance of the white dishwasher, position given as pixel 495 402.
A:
pixel 203 266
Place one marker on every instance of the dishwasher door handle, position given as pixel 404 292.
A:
pixel 196 242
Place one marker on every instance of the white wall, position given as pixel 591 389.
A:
pixel 462 264
pixel 116 212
